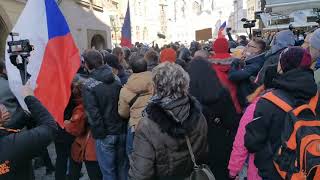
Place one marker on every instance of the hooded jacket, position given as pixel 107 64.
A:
pixel 221 63
pixel 17 148
pixel 282 40
pixel 160 149
pixel 242 76
pixel 140 85
pixel 216 104
pixel 100 95
pixel 263 134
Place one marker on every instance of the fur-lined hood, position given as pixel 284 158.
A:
pixel 226 61
pixel 167 122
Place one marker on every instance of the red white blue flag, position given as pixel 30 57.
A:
pixel 54 61
pixel 126 30
pixel 221 30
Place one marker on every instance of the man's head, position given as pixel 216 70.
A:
pixel 117 51
pixel 93 59
pixel 113 62
pixel 138 64
pixel 202 53
pixel 152 57
pixel 315 44
pixel 254 48
pixel 294 58
pixel 127 53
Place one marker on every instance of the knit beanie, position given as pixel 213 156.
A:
pixel 221 49
pixel 295 57
pixel 168 55
pixel 315 39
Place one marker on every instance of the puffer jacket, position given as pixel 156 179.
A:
pixel 140 88
pixel 263 135
pixel 160 149
pixel 100 96
pixel 83 146
pixel 240 153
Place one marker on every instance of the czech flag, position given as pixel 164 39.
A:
pixel 126 30
pixel 54 61
pixel 221 29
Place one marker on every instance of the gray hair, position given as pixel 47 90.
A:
pixel 170 80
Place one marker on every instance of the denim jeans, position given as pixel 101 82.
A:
pixel 111 155
pixel 129 143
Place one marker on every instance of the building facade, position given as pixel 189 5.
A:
pixel 239 12
pixel 299 13
pixel 90 21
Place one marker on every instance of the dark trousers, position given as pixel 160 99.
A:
pixel 92 167
pixel 63 151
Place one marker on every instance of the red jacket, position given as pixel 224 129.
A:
pixel 83 147
pixel 222 68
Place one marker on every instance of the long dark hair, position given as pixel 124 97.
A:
pixel 204 82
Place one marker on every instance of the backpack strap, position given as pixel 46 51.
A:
pixel 314 102
pixel 277 101
pixel 311 106
pixel 133 100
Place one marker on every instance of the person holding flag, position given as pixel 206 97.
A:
pixel 49 69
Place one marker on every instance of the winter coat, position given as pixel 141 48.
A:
pixel 17 148
pixel 100 96
pixel 123 76
pixel 270 59
pixel 242 76
pixel 6 96
pixel 222 68
pixel 84 141
pixel 263 135
pixel 240 153
pixel 317 77
pixel 216 104
pixel 139 85
pixel 160 148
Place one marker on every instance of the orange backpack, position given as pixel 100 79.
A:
pixel 298 158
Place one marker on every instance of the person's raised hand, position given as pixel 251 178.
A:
pixel 27 90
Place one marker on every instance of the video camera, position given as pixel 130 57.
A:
pixel 19 52
pixel 248 24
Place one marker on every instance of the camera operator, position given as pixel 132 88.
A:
pixel 17 148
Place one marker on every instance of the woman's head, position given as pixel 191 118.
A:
pixel 170 80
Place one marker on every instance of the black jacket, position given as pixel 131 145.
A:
pixel 263 135
pixel 18 148
pixel 100 94
pixel 270 59
pixel 216 104
pixel 242 76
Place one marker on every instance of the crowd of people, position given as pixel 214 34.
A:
pixel 132 109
